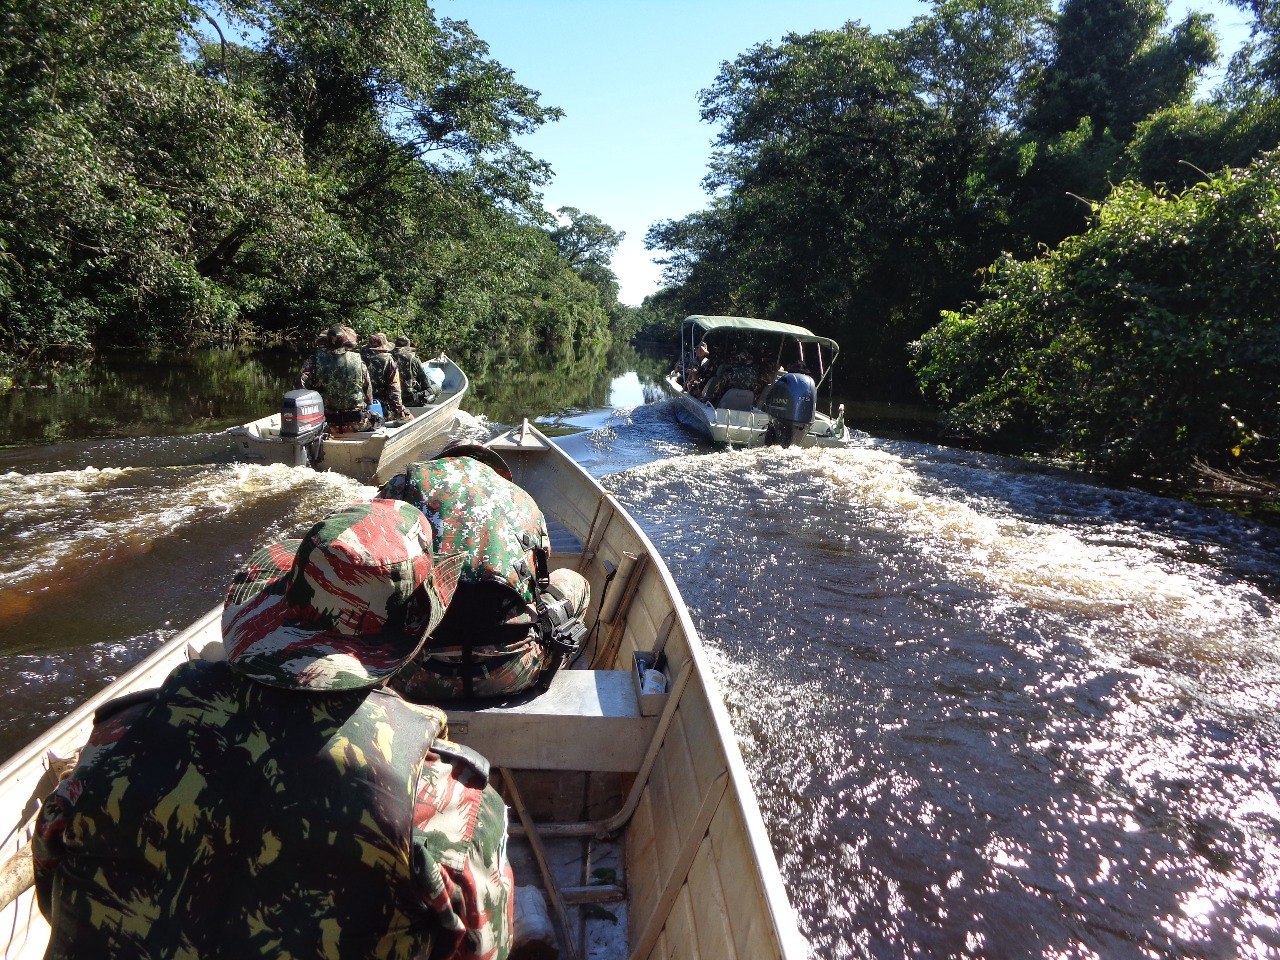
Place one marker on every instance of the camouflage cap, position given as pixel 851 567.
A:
pixel 266 564
pixel 378 341
pixel 343 609
pixel 402 341
pixel 482 517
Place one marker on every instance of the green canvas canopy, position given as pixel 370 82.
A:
pixel 752 325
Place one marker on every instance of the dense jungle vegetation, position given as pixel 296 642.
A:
pixel 211 172
pixel 1031 214
pixel 1021 211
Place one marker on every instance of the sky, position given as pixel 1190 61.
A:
pixel 631 148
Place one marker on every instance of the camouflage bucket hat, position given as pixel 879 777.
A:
pixel 378 341
pixel 402 341
pixel 343 609
pixel 494 526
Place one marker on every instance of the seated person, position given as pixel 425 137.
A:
pixel 282 802
pixel 514 621
pixel 339 375
pixel 416 388
pixel 384 374
pixel 697 368
pixel 738 375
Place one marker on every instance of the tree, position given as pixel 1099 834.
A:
pixel 347 160
pixel 1146 344
pixel 850 177
pixel 1111 68
pixel 587 244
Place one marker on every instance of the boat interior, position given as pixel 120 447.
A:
pixel 633 829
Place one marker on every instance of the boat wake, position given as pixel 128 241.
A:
pixel 968 688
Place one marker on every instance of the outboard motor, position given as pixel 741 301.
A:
pixel 791 404
pixel 302 425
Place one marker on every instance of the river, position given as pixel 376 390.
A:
pixel 989 710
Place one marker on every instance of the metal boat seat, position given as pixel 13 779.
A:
pixel 585 720
pixel 737 399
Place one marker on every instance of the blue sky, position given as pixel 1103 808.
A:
pixel 631 148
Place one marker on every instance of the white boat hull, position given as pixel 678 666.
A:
pixel 745 428
pixel 372 457
pixel 698 877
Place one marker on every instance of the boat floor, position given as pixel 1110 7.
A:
pixel 599 930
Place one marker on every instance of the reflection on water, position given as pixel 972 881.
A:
pixel 145 395
pixel 989 711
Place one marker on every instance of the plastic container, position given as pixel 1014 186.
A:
pixel 655 681
pixel 376 407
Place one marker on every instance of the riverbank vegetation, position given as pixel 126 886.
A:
pixel 209 172
pixel 1033 215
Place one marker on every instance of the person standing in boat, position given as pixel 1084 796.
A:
pixel 415 388
pixel 384 372
pixel 339 375
pixel 283 802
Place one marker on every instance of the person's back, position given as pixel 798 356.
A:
pixel 384 374
pixel 339 375
pixel 272 823
pixel 280 804
pixel 414 386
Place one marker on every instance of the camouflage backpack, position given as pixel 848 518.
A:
pixel 511 623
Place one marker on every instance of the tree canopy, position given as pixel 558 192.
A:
pixel 195 171
pixel 1043 178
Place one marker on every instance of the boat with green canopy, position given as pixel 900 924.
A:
pixel 756 382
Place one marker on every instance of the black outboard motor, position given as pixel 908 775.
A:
pixel 791 404
pixel 302 425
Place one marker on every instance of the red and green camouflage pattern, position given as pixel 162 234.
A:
pixel 442 668
pixel 219 817
pixel 340 377
pixel 347 609
pixel 384 374
pixel 490 645
pixel 479 515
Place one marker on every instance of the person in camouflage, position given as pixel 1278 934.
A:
pixel 385 374
pixel 281 803
pixel 415 388
pixel 339 375
pixel 513 622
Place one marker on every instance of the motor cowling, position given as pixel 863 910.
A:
pixel 791 404
pixel 301 416
pixel 302 426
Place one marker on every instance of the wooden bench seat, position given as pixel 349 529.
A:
pixel 586 720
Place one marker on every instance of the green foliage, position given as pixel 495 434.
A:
pixel 1144 345
pixel 1112 66
pixel 357 161
pixel 852 178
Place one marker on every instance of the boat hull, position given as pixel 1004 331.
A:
pixel 372 457
pixel 698 877
pixel 745 428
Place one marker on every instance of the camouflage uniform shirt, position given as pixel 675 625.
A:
pixel 414 387
pixel 385 375
pixel 487 644
pixel 340 377
pixel 219 817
